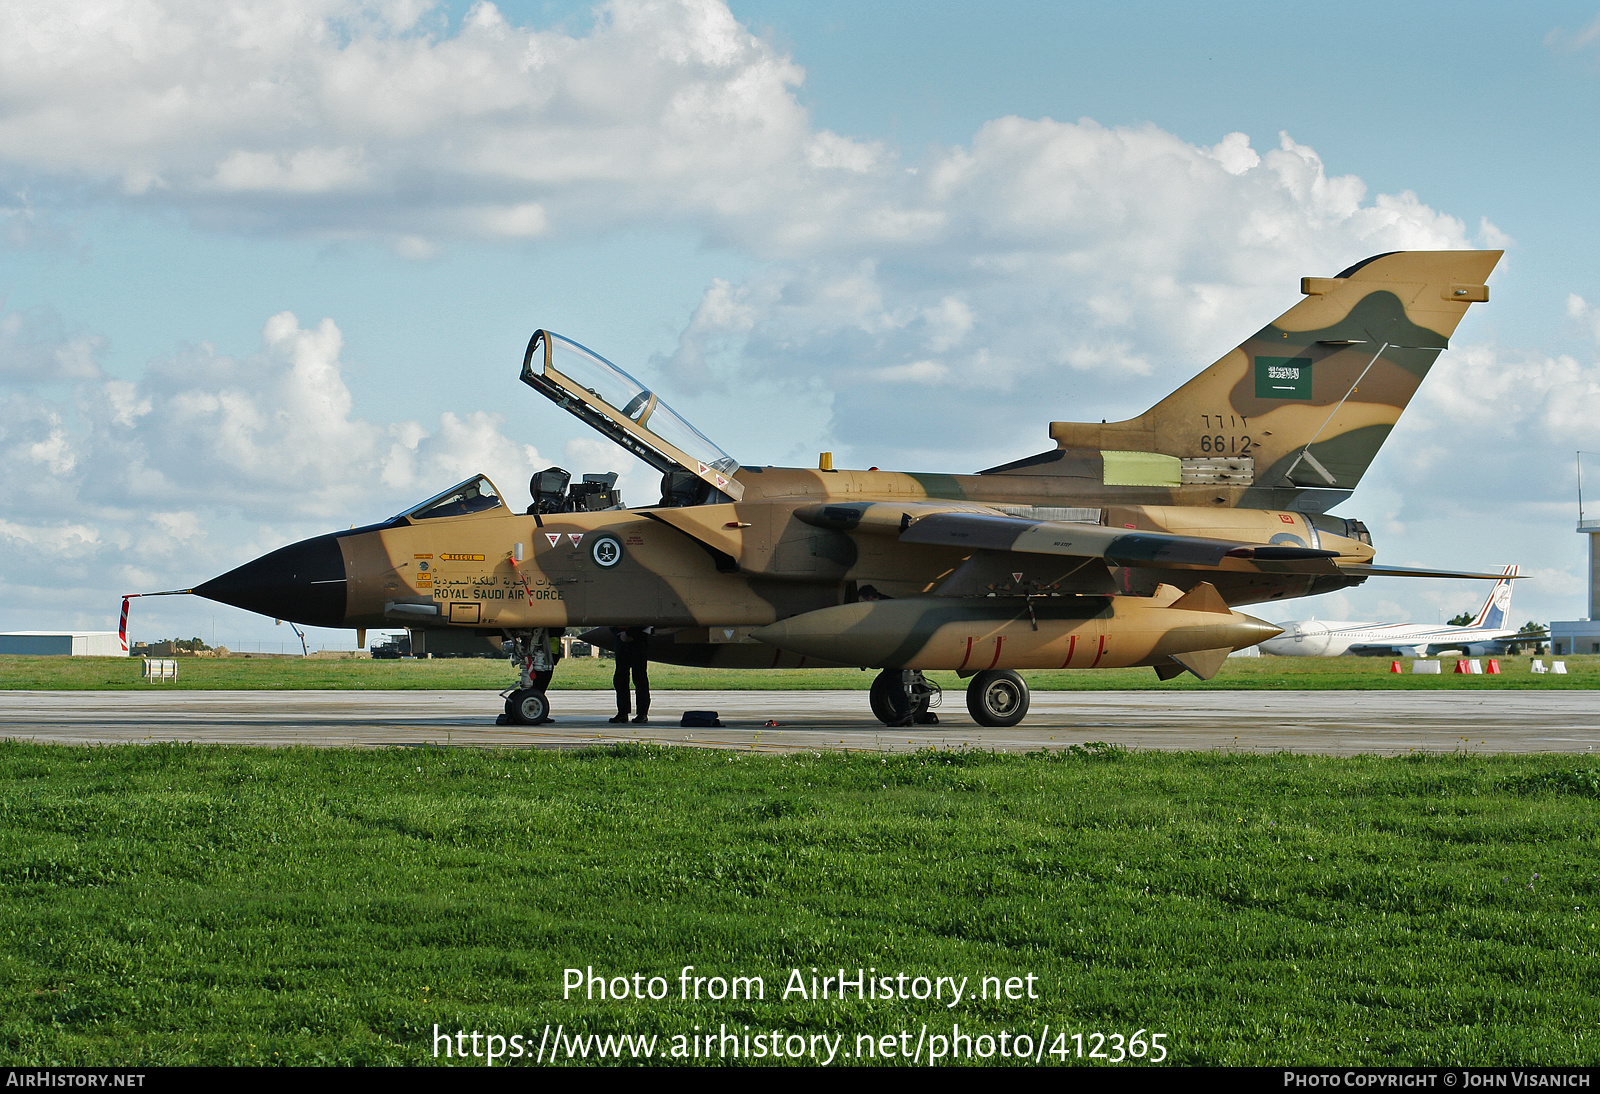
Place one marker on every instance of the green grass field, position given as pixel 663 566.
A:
pixel 183 904
pixel 1294 673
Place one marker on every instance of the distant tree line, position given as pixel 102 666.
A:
pixel 1530 627
pixel 168 647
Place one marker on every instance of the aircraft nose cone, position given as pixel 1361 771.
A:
pixel 303 582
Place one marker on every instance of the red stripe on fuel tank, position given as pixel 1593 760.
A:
pixel 967 658
pixel 999 641
pixel 1099 653
pixel 1072 647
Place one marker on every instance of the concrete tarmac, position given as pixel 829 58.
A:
pixel 1330 722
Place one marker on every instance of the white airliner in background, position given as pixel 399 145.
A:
pixel 1486 634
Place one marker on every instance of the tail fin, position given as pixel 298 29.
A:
pixel 1291 418
pixel 1497 609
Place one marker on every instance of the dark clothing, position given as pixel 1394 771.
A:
pixel 633 648
pixel 542 678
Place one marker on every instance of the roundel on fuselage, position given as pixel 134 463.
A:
pixel 606 550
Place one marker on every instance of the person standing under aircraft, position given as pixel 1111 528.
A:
pixel 633 656
pixel 542 677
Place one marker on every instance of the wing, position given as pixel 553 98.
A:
pixel 986 532
pixel 991 536
pixel 1390 649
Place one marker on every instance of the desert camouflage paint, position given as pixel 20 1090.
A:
pixel 1224 486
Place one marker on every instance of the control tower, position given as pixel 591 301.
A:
pixel 1591 528
pixel 1582 635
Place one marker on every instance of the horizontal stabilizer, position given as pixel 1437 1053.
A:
pixel 1361 570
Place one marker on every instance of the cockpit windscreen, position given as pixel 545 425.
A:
pixel 476 495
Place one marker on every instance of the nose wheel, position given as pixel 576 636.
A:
pixel 527 707
pixel 997 698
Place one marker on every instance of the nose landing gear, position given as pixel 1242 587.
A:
pixel 527 704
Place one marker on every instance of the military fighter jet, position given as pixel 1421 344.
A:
pixel 1126 543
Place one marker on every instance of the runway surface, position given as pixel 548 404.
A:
pixel 1332 722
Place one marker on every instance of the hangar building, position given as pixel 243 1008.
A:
pixel 62 643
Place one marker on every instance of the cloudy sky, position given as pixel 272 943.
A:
pixel 267 269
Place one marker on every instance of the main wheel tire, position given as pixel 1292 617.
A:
pixel 890 703
pixel 527 707
pixel 997 698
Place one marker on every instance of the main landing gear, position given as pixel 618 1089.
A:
pixel 901 697
pixel 997 698
pixel 526 704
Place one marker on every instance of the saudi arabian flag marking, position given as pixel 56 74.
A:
pixel 1283 377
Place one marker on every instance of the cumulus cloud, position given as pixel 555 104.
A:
pixel 1070 269
pixel 35 348
pixel 1585 313
pixel 933 311
pixel 349 117
pixel 1044 262
pixel 208 459
pixel 1502 409
pixel 271 434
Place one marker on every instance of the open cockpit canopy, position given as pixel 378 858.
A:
pixel 588 386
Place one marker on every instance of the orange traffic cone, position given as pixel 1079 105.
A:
pixel 1394 666
pixel 1494 667
pixel 1461 665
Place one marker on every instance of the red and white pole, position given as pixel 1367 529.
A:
pixel 122 627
